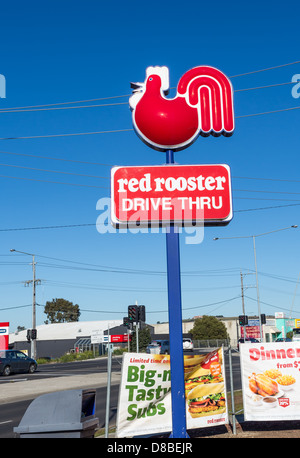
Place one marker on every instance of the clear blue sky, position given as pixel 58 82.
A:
pixel 66 51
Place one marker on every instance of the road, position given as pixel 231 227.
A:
pixel 11 413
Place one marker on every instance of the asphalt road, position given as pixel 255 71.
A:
pixel 11 413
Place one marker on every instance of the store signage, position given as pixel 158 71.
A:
pixel 118 338
pixel 159 195
pixel 145 401
pixel 203 106
pixel 4 335
pixel 270 381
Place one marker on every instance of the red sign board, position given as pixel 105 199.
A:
pixel 159 195
pixel 118 338
pixel 4 335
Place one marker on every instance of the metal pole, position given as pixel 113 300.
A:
pixel 243 304
pixel 257 290
pixel 33 341
pixel 137 336
pixel 232 390
pixel 109 355
pixel 175 328
pixel 137 332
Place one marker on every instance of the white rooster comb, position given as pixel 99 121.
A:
pixel 139 88
pixel 163 72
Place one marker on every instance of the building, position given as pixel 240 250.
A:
pixel 54 340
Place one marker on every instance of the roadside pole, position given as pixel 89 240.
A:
pixel 232 390
pixel 175 328
pixel 109 356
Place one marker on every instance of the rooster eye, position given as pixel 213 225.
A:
pixel 150 79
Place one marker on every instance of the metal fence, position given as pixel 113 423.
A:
pixel 210 343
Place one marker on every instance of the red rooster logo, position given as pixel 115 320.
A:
pixel 203 106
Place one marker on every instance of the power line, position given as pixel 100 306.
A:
pixel 111 165
pixel 52 107
pixel 52 171
pixel 266 112
pixel 66 226
pixel 68 135
pixel 56 158
pixel 266 69
pixel 55 182
pixel 62 108
pixel 130 130
pixel 16 307
pixel 66 103
pixel 128 95
pixel 267 179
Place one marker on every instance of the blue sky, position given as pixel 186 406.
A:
pixel 63 51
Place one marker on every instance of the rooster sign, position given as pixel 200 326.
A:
pixel 203 106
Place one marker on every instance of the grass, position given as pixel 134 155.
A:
pixel 68 357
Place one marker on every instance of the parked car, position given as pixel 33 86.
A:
pixel 12 361
pixel 283 339
pixel 188 344
pixel 247 340
pixel 159 347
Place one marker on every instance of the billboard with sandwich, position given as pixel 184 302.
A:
pixel 145 393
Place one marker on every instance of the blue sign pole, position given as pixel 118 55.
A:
pixel 175 328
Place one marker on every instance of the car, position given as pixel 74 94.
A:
pixel 159 347
pixel 247 340
pixel 283 339
pixel 188 344
pixel 12 361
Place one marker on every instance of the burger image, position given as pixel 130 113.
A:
pixel 206 400
pixel 191 363
pixel 203 377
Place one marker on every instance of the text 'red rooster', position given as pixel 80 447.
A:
pixel 203 105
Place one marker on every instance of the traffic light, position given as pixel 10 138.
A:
pixel 133 313
pixel 28 335
pixel 126 321
pixel 243 320
pixel 263 318
pixel 33 334
pixel 142 313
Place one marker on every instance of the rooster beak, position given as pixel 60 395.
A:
pixel 136 87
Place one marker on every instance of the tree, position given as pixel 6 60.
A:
pixel 61 311
pixel 208 327
pixel 144 339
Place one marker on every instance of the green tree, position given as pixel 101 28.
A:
pixel 61 311
pixel 208 327
pixel 144 339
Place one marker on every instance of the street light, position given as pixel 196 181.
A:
pixel 294 226
pixel 33 341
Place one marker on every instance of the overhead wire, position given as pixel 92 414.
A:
pixel 128 95
pixel 51 107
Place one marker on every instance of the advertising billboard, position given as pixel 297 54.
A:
pixel 271 380
pixel 145 393
pixel 181 194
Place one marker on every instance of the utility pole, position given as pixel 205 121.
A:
pixel 34 282
pixel 33 341
pixel 243 303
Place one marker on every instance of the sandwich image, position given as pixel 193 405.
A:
pixel 207 399
pixel 191 363
pixel 203 377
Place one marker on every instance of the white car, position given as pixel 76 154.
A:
pixel 188 344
